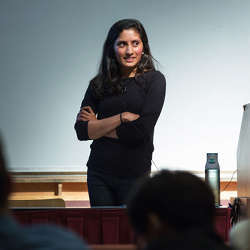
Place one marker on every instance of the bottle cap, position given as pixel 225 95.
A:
pixel 212 161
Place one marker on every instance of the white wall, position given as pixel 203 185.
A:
pixel 50 49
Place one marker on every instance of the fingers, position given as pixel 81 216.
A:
pixel 82 117
pixel 129 117
pixel 86 114
pixel 88 109
pixel 133 116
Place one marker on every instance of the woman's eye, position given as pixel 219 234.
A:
pixel 136 43
pixel 121 44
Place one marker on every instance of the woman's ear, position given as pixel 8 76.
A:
pixel 154 224
pixel 154 227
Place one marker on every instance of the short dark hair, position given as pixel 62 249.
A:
pixel 109 70
pixel 179 198
pixel 5 183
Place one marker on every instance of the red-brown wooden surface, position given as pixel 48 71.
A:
pixel 103 225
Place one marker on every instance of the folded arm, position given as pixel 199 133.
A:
pixel 135 129
pixel 104 127
pixel 140 130
pixel 97 128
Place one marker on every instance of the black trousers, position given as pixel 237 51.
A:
pixel 106 190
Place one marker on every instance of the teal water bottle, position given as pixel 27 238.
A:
pixel 212 175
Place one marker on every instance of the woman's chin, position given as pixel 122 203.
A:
pixel 129 66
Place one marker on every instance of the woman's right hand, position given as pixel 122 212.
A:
pixel 86 114
pixel 129 117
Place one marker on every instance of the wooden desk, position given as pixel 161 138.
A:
pixel 101 225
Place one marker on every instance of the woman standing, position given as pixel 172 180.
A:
pixel 119 111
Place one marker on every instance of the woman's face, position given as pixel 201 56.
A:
pixel 128 49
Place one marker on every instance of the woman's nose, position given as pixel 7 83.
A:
pixel 129 49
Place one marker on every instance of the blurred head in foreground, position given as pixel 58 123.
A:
pixel 171 203
pixel 16 236
pixel 5 184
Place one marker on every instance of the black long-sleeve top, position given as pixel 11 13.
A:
pixel 130 155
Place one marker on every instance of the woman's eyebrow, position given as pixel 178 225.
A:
pixel 125 41
pixel 121 41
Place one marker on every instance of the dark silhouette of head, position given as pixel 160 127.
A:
pixel 5 184
pixel 172 202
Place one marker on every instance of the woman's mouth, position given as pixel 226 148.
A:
pixel 129 59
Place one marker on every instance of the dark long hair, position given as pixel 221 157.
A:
pixel 108 78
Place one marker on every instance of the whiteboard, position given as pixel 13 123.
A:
pixel 49 50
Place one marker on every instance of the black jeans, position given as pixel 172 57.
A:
pixel 106 190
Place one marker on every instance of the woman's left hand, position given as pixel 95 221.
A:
pixel 86 114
